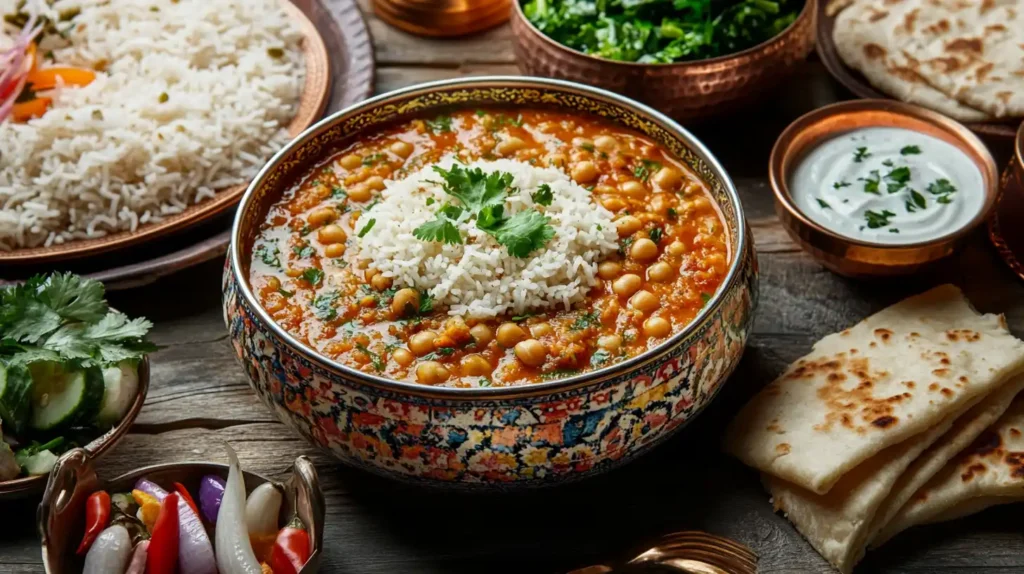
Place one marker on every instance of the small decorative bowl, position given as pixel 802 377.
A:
pixel 61 518
pixel 537 434
pixel 443 18
pixel 686 90
pixel 852 257
pixel 1005 234
pixel 29 485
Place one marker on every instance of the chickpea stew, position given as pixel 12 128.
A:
pixel 669 253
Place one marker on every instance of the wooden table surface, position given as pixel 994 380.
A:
pixel 200 398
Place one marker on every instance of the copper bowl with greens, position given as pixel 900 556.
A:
pixel 701 59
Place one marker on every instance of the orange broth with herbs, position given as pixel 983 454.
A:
pixel 674 253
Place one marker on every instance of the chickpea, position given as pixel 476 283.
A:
pixel 657 327
pixel 406 302
pixel 380 282
pixel 582 142
pixel 402 149
pixel 627 284
pixel 334 250
pixel 617 162
pixel 584 172
pixel 541 329
pixel 644 301
pixel 403 357
pixel 531 352
pixel 273 283
pixel 609 269
pixel 632 188
pixel 274 304
pixel 331 234
pixel 359 193
pixel 613 204
pixel 509 334
pixel 422 343
pixel 627 225
pixel 322 216
pixel 668 178
pixel 676 248
pixel 692 188
pixel 557 160
pixel 610 342
pixel 431 373
pixel 375 182
pixel 643 249
pixel 368 302
pixel 509 146
pixel 293 272
pixel 605 143
pixel 660 272
pixel 351 161
pixel 475 365
pixel 481 334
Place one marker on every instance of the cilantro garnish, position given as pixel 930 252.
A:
pixel 373 158
pixel 585 320
pixel 303 251
pixel 841 184
pixel 524 232
pixel 876 219
pixel 656 234
pixel 445 351
pixel 440 124
pixel 599 358
pixel 323 306
pixel 313 275
pixel 426 303
pixel 375 359
pixel 871 183
pixel 888 163
pixel 587 146
pixel 64 317
pixel 861 154
pixel 916 201
pixel 543 195
pixel 268 254
pixel 823 204
pixel 645 168
pixel 338 192
pixel 369 226
pixel 671 213
pixel 910 150
pixel 943 189
pixel 705 297
pixel 897 179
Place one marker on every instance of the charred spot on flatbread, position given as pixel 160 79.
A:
pixel 874 51
pixel 969 45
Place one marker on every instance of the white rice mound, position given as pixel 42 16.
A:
pixel 479 278
pixel 110 156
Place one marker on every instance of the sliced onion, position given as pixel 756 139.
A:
pixel 16 67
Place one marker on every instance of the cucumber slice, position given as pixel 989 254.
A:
pixel 15 397
pixel 67 398
pixel 121 384
pixel 39 463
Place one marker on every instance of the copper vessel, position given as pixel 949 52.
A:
pixel 853 257
pixel 443 17
pixel 1007 237
pixel 685 90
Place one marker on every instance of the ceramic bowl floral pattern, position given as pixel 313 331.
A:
pixel 531 435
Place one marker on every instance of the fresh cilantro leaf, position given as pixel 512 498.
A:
pixel 941 187
pixel 656 234
pixel 373 158
pixel 367 228
pixel 599 358
pixel 888 163
pixel 823 204
pixel 524 232
pixel 841 184
pixel 73 297
pixel 910 150
pixel 518 318
pixel 585 320
pixel 944 199
pixel 313 275
pixel 440 124
pixel 543 195
pixel 897 179
pixel 323 306
pixel 426 303
pixel 375 359
pixel 440 229
pixel 894 230
pixel 671 213
pixel 918 199
pixel 430 201
pixel 861 154
pixel 474 188
pixel 878 219
pixel 303 251
pixel 871 183
pixel 705 297
pixel 645 168
pixel 587 146
pixel 338 192
pixel 268 254
pixel 445 351
pixel 624 245
pixel 284 292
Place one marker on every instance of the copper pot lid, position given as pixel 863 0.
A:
pixel 441 18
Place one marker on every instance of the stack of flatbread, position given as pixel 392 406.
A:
pixel 963 58
pixel 909 417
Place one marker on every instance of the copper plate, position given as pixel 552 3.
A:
pixel 1003 227
pixel 61 519
pixel 311 107
pixel 858 258
pixel 29 485
pixel 857 84
pixel 443 18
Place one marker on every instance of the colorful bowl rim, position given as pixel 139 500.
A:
pixel 583 379
pixel 780 188
pixel 808 10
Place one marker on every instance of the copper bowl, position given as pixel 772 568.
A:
pixel 26 486
pixel 857 258
pixel 1008 238
pixel 684 90
pixel 61 520
pixel 442 18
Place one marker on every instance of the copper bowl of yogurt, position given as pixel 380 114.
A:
pixel 880 188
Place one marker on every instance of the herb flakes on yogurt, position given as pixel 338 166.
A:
pixel 888 185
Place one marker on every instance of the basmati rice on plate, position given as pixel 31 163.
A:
pixel 195 96
pixel 480 279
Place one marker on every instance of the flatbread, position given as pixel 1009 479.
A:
pixel 990 472
pixel 965 430
pixel 892 376
pixel 879 37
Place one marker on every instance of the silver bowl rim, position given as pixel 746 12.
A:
pixel 739 250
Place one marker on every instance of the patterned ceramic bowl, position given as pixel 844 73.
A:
pixel 536 434
pixel 685 90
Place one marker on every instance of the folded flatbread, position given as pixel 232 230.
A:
pixel 841 523
pixel 893 376
pixel 990 472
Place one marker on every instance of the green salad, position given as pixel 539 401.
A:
pixel 661 31
pixel 68 369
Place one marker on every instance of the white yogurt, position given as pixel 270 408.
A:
pixel 888 185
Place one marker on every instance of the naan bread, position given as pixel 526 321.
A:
pixel 965 430
pixel 990 472
pixel 891 377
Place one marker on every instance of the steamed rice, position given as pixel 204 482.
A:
pixel 112 156
pixel 479 279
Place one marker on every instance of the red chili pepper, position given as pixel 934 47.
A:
pixel 291 549
pixel 180 489
pixel 97 514
pixel 163 545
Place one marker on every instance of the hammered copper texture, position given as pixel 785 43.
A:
pixel 443 18
pixel 685 91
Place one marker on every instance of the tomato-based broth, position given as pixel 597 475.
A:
pixel 491 247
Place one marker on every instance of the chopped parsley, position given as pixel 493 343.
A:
pixel 942 189
pixel 888 163
pixel 656 234
pixel 323 306
pixel 624 244
pixel 426 303
pixel 671 213
pixel 284 292
pixel 430 201
pixel 442 228
pixel 268 254
pixel 440 124
pixel 373 158
pixel 543 195
pixel 369 226
pixel 338 192
pixel 588 319
pixel 519 318
pixel 303 251
pixel 445 351
pixel 823 204
pixel 645 168
pixel 861 154
pixel 877 219
pixel 375 359
pixel 599 358
pixel 894 230
pixel 897 179
pixel 910 150
pixel 871 183
pixel 705 297
pixel 841 184
pixel 313 275
pixel 916 201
